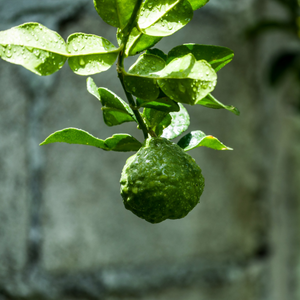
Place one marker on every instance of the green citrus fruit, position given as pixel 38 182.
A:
pixel 161 181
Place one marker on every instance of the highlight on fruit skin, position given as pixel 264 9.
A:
pixel 161 181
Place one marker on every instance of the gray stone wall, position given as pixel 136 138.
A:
pixel 64 233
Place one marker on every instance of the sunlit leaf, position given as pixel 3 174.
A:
pixel 164 17
pixel 196 4
pixel 179 123
pixel 211 102
pixel 74 136
pixel 141 80
pixel 186 80
pixel 198 138
pixel 216 56
pixel 118 142
pixel 115 12
pixel 162 104
pixel 91 54
pixel 35 47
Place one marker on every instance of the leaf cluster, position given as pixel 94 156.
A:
pixel 156 85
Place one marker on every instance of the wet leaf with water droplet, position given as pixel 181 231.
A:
pixel 141 78
pixel 115 12
pixel 164 17
pixel 186 80
pixel 31 45
pixel 198 138
pixel 115 110
pixel 216 56
pixel 90 54
pixel 179 123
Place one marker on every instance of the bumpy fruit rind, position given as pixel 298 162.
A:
pixel 161 181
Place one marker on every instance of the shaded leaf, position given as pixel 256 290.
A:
pixel 90 54
pixel 156 120
pixel 211 102
pixel 186 80
pixel 164 17
pixel 123 143
pixel 216 56
pixel 162 104
pixel 35 47
pixel 141 80
pixel 115 12
pixel 115 110
pixel 157 52
pixel 196 4
pixel 137 41
pixel 198 138
pixel 118 142
pixel 180 123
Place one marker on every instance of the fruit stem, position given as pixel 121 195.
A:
pixel 120 67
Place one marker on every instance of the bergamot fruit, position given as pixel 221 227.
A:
pixel 161 181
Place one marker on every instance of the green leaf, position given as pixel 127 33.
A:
pixel 157 52
pixel 118 142
pixel 156 120
pixel 216 56
pixel 180 123
pixel 90 54
pixel 115 12
pixel 35 47
pixel 186 80
pixel 141 80
pixel 198 138
pixel 161 104
pixel 196 4
pixel 211 102
pixel 74 136
pixel 123 143
pixel 164 17
pixel 115 110
pixel 137 41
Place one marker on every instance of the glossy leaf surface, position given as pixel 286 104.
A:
pixel 91 54
pixel 216 56
pixel 141 80
pixel 179 123
pixel 115 12
pixel 186 80
pixel 164 17
pixel 211 102
pixel 118 142
pixel 198 138
pixel 137 41
pixel 35 47
pixel 115 110
pixel 161 104
pixel 196 4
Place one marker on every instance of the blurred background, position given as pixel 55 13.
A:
pixel 64 232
